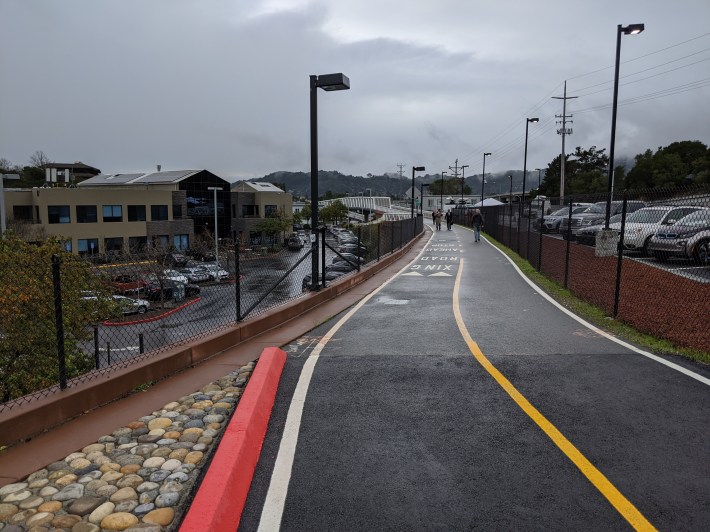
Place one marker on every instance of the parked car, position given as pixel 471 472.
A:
pixel 688 238
pixel 217 273
pixel 167 290
pixel 343 267
pixel 355 249
pixel 329 276
pixel 594 215
pixel 127 284
pixel 174 275
pixel 644 223
pixel 196 274
pixel 588 235
pixel 551 222
pixel 130 305
pixel 349 257
pixel 203 255
pixel 294 242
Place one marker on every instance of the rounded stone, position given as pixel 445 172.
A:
pixel 95 485
pixel 145 472
pixel 129 459
pixel 144 508
pixel 173 434
pixel 93 448
pixel 191 437
pixel 106 491
pixel 65 480
pixel 178 454
pixel 129 481
pixel 160 516
pixel 171 486
pixel 7 510
pixel 171 406
pixel 12 488
pixel 21 517
pixel 194 413
pixel 203 405
pixel 111 476
pixel 194 457
pixel 65 521
pixel 91 468
pixel 37 475
pixel 40 519
pixel 178 477
pixel 39 483
pixel 79 463
pixel 17 496
pixel 148 496
pixel 182 445
pixel 126 506
pixel 48 491
pixel 102 460
pixel 123 431
pixel 130 469
pixel 127 446
pixel 154 461
pixel 199 447
pixel 140 432
pixel 194 423
pixel 159 476
pixel 161 452
pixel 133 425
pixel 50 506
pixel 215 426
pixel 111 466
pixel 85 505
pixel 171 465
pixel 100 512
pixel 91 457
pixel 119 521
pixel 210 433
pixel 72 491
pixel 56 466
pixel 157 432
pixel 124 494
pixel 159 423
pixel 167 499
pixel 147 486
pixel 166 441
pixel 148 438
pixel 31 502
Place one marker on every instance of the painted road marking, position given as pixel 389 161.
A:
pixel 272 511
pixel 627 510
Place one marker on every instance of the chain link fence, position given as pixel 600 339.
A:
pixel 641 256
pixel 66 319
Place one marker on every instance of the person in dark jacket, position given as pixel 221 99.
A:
pixel 449 219
pixel 477 224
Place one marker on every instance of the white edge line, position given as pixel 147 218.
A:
pixel 597 330
pixel 272 511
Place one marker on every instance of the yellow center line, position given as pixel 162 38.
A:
pixel 627 510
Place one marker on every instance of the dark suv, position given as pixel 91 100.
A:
pixel 594 215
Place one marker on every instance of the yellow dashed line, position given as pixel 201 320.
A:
pixel 606 488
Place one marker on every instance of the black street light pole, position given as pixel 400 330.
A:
pixel 327 82
pixel 539 171
pixel 441 202
pixel 631 29
pixel 510 198
pixel 525 159
pixel 463 179
pixel 483 179
pixel 415 169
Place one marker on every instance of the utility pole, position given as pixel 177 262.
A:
pixel 401 170
pixel 564 132
pixel 455 170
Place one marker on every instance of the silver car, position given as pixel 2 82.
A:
pixel 688 238
pixel 551 222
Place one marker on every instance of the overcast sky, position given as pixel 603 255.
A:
pixel 124 85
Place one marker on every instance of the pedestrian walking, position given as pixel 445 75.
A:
pixel 436 215
pixel 477 221
pixel 449 220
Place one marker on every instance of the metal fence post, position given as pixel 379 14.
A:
pixel 322 261
pixel 141 343
pixel 527 242
pixel 108 353
pixel 539 252
pixel 569 239
pixel 97 360
pixel 238 284
pixel 619 258
pixel 379 240
pixel 59 322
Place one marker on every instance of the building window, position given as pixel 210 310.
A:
pixel 177 211
pixel 270 211
pixel 250 211
pixel 58 214
pixel 136 213
pixel 112 213
pixel 86 214
pixel 161 241
pixel 67 246
pixel 88 246
pixel 158 212
pixel 22 212
pixel 181 241
pixel 113 245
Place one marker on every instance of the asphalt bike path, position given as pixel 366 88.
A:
pixel 458 397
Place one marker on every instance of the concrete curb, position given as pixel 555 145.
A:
pixel 221 497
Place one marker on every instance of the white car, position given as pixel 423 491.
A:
pixel 644 223
pixel 174 275
pixel 130 305
pixel 217 273
pixel 197 274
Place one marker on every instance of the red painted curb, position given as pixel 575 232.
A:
pixel 153 318
pixel 221 497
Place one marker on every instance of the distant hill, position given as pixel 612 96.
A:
pixel 299 183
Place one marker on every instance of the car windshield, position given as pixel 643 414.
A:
pixel 696 219
pixel 561 212
pixel 647 216
pixel 597 208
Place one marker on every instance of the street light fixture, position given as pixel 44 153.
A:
pixel 463 179
pixel 441 201
pixel 415 169
pixel 327 82
pixel 483 179
pixel 216 234
pixel 631 29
